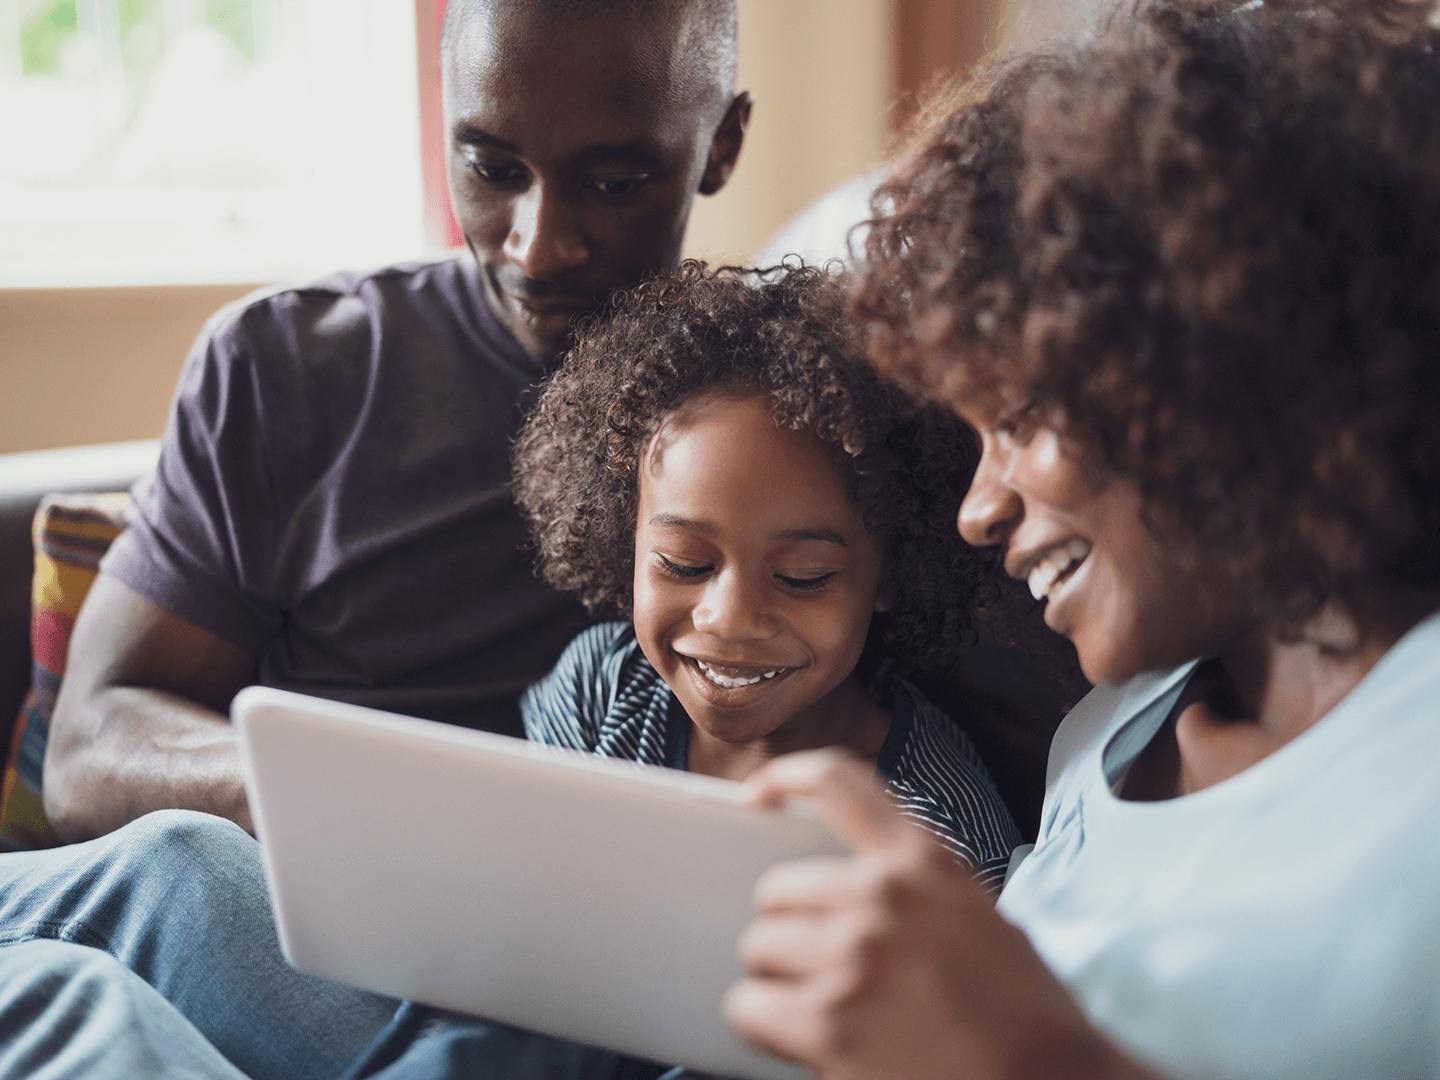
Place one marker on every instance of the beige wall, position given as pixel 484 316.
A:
pixel 820 72
pixel 92 365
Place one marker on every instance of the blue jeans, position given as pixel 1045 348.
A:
pixel 179 900
pixel 68 1012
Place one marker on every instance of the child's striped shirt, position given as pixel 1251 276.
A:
pixel 604 697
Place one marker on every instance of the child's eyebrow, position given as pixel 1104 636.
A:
pixel 675 521
pixel 824 536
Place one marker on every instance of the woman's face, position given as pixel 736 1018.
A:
pixel 1127 599
pixel 755 577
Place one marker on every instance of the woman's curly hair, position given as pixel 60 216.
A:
pixel 1205 245
pixel 783 333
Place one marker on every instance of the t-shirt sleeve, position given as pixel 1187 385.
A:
pixel 568 706
pixel 200 541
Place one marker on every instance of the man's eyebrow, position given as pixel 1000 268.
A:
pixel 476 136
pixel 637 151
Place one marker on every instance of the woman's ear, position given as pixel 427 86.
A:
pixel 883 602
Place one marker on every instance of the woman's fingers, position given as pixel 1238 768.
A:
pixel 774 1015
pixel 843 789
pixel 813 884
pixel 787 946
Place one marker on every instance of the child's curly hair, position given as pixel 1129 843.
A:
pixel 1206 245
pixel 783 333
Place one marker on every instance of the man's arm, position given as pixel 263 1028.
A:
pixel 892 962
pixel 141 723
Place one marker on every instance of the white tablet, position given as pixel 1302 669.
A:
pixel 597 900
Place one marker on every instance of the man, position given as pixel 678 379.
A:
pixel 330 512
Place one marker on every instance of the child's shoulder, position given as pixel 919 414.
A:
pixel 606 652
pixel 939 781
pixel 602 638
pixel 927 728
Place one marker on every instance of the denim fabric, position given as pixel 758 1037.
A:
pixel 179 899
pixel 68 1012
pixel 428 1044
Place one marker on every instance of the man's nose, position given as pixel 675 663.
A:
pixel 546 240
pixel 733 608
pixel 991 508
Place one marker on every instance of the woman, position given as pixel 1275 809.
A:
pixel 1184 280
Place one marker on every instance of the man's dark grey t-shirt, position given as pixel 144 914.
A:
pixel 333 496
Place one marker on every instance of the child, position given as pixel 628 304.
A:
pixel 715 463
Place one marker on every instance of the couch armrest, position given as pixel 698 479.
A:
pixel 25 479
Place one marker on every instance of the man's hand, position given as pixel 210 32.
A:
pixel 892 963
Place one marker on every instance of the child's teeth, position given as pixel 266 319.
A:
pixel 729 683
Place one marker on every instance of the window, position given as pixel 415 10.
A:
pixel 165 141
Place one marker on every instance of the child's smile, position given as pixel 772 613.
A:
pixel 733 685
pixel 755 582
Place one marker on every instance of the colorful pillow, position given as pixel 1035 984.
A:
pixel 71 533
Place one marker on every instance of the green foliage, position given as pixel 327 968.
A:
pixel 48 25
pixel 43 33
pixel 235 19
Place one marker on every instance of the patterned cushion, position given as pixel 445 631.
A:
pixel 71 533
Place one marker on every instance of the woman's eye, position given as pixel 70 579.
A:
pixel 1016 423
pixel 805 584
pixel 618 185
pixel 684 571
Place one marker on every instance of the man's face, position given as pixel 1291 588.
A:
pixel 576 148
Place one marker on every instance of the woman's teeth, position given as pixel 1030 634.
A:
pixel 1054 566
pixel 728 682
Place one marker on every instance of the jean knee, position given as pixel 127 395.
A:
pixel 208 853
pixel 185 831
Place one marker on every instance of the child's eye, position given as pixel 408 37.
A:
pixel 684 571
pixel 804 584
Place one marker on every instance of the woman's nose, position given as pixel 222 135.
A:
pixel 991 508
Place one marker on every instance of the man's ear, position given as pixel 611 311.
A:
pixel 725 146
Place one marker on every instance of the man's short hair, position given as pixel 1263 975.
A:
pixel 711 25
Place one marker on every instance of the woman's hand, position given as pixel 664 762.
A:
pixel 892 963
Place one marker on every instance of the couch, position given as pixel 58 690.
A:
pixel 24 480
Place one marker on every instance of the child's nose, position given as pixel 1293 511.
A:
pixel 733 607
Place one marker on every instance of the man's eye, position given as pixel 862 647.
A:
pixel 618 185
pixel 495 174
pixel 805 584
pixel 684 571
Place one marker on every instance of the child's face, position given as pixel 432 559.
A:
pixel 755 578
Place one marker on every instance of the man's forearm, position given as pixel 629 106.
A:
pixel 144 750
